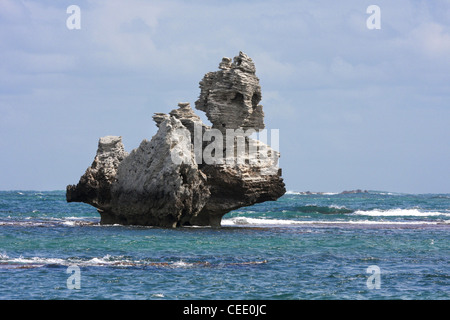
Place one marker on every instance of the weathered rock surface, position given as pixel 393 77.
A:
pixel 94 187
pixel 150 189
pixel 168 181
pixel 230 97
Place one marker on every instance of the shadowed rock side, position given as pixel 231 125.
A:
pixel 165 182
pixel 94 187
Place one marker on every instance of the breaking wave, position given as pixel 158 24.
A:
pixel 109 261
pixel 244 221
pixel 323 209
pixel 400 213
pixel 48 222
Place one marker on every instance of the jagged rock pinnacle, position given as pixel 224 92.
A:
pixel 230 97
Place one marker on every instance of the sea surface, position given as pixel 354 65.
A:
pixel 368 245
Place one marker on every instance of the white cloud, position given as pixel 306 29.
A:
pixel 29 62
pixel 272 68
pixel 344 70
pixel 122 31
pixel 433 39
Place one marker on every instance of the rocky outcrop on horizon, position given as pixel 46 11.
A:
pixel 356 191
pixel 189 173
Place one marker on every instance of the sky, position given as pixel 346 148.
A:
pixel 356 108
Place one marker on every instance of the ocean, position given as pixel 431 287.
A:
pixel 315 246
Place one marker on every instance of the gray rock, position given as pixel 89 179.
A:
pixel 166 181
pixel 151 189
pixel 94 186
pixel 230 97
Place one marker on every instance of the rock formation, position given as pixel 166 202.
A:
pixel 94 187
pixel 189 173
pixel 230 96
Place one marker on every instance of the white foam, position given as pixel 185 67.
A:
pixel 243 221
pixel 338 207
pixel 400 213
pixel 181 264
pixel 293 192
pixel 257 221
pixel 109 260
pixel 96 261
pixel 104 261
pixel 38 222
pixel 38 260
pixel 22 223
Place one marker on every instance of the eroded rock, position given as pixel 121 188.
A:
pixel 170 181
pixel 230 97
pixel 150 189
pixel 94 187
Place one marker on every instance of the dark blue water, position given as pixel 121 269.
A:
pixel 299 247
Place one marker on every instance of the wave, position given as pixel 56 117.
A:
pixel 333 209
pixel 244 221
pixel 256 221
pixel 441 196
pixel 400 213
pixel 356 192
pixel 48 222
pixel 109 261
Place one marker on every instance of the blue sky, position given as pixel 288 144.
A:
pixel 356 108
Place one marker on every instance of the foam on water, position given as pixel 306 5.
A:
pixel 47 222
pixel 181 264
pixel 400 213
pixel 244 221
pixel 7 262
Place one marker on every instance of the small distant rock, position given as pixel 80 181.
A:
pixel 354 191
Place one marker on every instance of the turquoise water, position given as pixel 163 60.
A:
pixel 300 247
